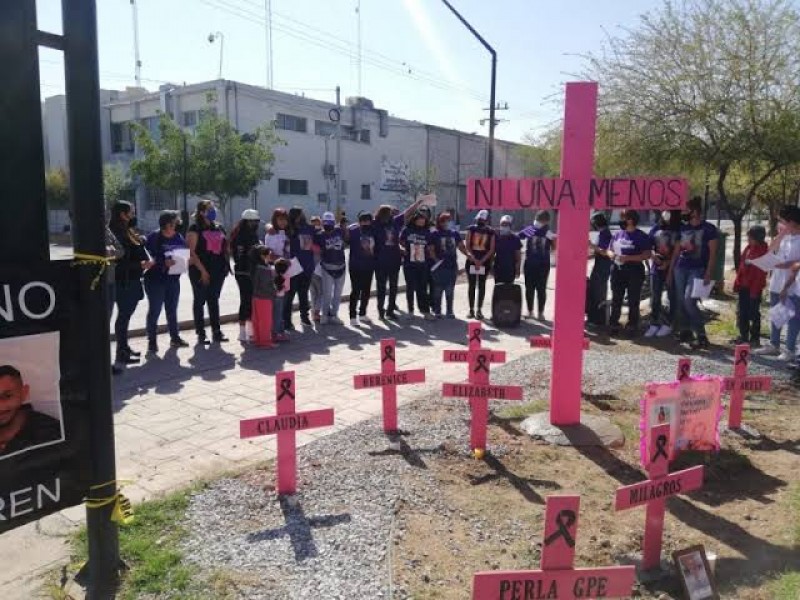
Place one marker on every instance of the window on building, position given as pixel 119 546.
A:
pixel 322 198
pixel 366 191
pixel 121 138
pixel 324 128
pixel 290 123
pixel 159 199
pixel 190 118
pixel 293 187
pixel 355 135
pixel 364 136
pixel 151 124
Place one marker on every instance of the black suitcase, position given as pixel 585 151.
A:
pixel 506 305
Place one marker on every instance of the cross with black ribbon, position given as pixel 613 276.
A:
pixel 564 520
pixel 742 357
pixel 480 364
pixel 476 335
pixel 388 354
pixel 661 448
pixel 286 389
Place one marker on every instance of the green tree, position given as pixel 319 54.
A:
pixel 421 181
pixel 706 84
pixel 56 185
pixel 117 184
pixel 163 160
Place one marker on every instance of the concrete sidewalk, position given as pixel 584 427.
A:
pixel 177 415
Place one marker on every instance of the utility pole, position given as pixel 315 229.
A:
pixel 326 170
pixel 138 62
pixel 492 99
pixel 184 177
pixel 338 152
pixel 221 37
pixel 358 60
pixel 268 40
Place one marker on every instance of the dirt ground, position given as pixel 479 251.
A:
pixel 746 514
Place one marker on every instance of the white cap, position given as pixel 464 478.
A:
pixel 482 215
pixel 328 218
pixel 250 215
pixel 506 219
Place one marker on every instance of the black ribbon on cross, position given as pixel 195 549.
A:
pixel 388 354
pixel 476 336
pixel 480 363
pixel 286 389
pixel 661 448
pixel 742 358
pixel 684 373
pixel 564 520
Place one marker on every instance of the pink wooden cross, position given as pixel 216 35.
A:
pixel 546 341
pixel 388 379
pixel 474 335
pixel 284 425
pixel 557 577
pixel 575 194
pixel 655 491
pixel 741 383
pixel 479 391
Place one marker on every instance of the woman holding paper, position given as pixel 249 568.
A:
pixel 630 248
pixel 301 248
pixel 414 240
pixel 162 282
pixel 442 251
pixel 481 246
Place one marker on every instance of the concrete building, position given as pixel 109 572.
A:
pixel 382 157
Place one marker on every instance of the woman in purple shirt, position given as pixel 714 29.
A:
pixel 630 247
pixel 480 244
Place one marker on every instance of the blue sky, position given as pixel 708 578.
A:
pixel 419 62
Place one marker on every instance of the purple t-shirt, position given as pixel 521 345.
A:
pixel 663 241
pixel 159 246
pixel 445 246
pixel 630 243
pixel 694 243
pixel 387 242
pixel 331 245
pixel 604 239
pixel 415 240
pixel 479 239
pixel 505 258
pixel 538 245
pixel 362 248
pixel 301 245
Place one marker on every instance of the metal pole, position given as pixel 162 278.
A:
pixel 86 183
pixel 358 12
pixel 327 176
pixel 136 43
pixel 185 183
pixel 268 40
pixel 338 152
pixel 221 51
pixel 490 154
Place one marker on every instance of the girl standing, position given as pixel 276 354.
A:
pixel 301 242
pixel 262 278
pixel 414 240
pixel 481 246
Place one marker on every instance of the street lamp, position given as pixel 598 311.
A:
pixel 218 35
pixel 492 121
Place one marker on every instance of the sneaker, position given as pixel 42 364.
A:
pixel 391 315
pixel 117 369
pixel 439 315
pixel 530 315
pixel 664 331
pixel 202 340
pixel 479 315
pixel 686 337
pixel 132 352
pixel 768 350
pixel 305 321
pixel 701 343
pixel 652 331
pixel 220 337
pixel 451 316
pixel 353 322
pixel 470 315
pixel 152 347
pixel 335 321
pixel 540 316
pixel 243 335
pixel 178 343
pixel 786 356
pixel 430 317
pixel 280 337
pixel 365 319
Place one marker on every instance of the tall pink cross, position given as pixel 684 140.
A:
pixel 575 194
pixel 388 380
pixel 284 425
pixel 741 383
pixel 654 493
pixel 479 391
pixel 557 578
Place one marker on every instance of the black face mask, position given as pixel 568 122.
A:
pixel 253 225
pixel 327 227
pixel 133 222
pixel 686 217
pixel 365 226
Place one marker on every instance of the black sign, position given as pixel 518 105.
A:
pixel 44 411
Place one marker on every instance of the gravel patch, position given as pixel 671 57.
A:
pixel 335 540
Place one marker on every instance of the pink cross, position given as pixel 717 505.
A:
pixel 557 577
pixel 284 425
pixel 654 493
pixel 741 383
pixel 479 391
pixel 575 194
pixel 388 379
pixel 546 341
pixel 474 340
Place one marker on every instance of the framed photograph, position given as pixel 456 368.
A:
pixel 695 574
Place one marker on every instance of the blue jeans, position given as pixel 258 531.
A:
pixel 128 294
pixel 444 282
pixel 684 279
pixel 331 293
pixel 792 328
pixel 162 293
pixel 417 285
pixel 278 324
pixel 658 282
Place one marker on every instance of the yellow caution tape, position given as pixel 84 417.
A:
pixel 122 513
pixel 93 259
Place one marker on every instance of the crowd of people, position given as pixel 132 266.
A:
pixel 295 257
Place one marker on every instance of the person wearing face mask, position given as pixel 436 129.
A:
pixel 414 240
pixel 597 295
pixel 783 285
pixel 130 268
pixel 508 253
pixel 481 247
pixel 663 239
pixel 539 245
pixel 315 289
pixel 209 261
pixel 244 238
pixel 361 238
pixel 444 243
pixel 330 243
pixel 694 259
pixel 301 242
pixel 630 247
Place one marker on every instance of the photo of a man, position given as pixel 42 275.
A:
pixel 21 427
